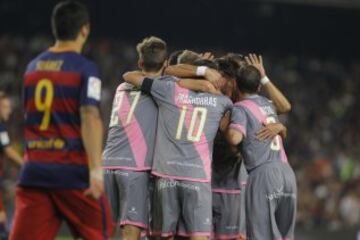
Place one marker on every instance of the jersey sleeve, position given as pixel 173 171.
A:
pixel 239 120
pixel 4 138
pixel 160 90
pixel 90 92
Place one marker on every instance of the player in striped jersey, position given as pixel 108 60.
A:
pixel 62 176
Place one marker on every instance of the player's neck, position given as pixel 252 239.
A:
pixel 68 46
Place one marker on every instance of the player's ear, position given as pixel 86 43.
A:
pixel 85 31
pixel 140 63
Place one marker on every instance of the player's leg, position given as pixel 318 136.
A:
pixel 165 208
pixel 227 212
pixel 3 231
pixel 133 190
pixel 35 216
pixel 261 203
pixel 286 211
pixel 88 218
pixel 196 211
pixel 112 193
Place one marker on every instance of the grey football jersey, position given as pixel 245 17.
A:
pixel 132 130
pixel 249 116
pixel 187 125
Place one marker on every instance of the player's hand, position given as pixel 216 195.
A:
pixel 207 56
pixel 96 187
pixel 213 76
pixel 269 131
pixel 256 61
pixel 225 122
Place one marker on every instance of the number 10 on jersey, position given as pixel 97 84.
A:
pixel 199 115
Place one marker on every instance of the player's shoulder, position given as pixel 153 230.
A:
pixel 68 60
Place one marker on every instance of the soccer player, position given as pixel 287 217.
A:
pixel 7 151
pixel 129 148
pixel 271 185
pixel 187 124
pixel 62 178
pixel 229 174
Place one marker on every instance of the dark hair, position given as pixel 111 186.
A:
pixel 248 79
pixel 153 52
pixel 239 59
pixel 68 17
pixel 227 67
pixel 173 58
pixel 206 63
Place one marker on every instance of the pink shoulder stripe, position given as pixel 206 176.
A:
pixel 254 109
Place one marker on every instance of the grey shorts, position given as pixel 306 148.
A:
pixel 229 215
pixel 128 193
pixel 271 202
pixel 181 208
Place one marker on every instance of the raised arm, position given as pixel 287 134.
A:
pixel 281 103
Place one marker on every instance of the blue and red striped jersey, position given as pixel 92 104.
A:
pixel 56 84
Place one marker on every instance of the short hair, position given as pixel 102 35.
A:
pixel 206 63
pixel 248 79
pixel 153 52
pixel 188 57
pixel 227 67
pixel 173 58
pixel 236 57
pixel 67 18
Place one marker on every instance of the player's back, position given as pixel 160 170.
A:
pixel 132 130
pixel 187 125
pixel 255 111
pixel 56 84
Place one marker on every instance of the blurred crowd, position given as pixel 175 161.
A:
pixel 323 143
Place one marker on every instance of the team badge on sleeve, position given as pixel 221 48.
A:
pixel 94 88
pixel 4 138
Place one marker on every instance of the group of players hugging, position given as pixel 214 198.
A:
pixel 193 149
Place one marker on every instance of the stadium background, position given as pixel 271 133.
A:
pixel 311 52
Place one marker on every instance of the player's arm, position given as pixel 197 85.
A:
pixel 233 136
pixel 92 137
pixel 92 129
pixel 281 103
pixel 271 130
pixel 198 85
pixel 13 155
pixel 189 71
pixel 136 78
pixel 236 131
